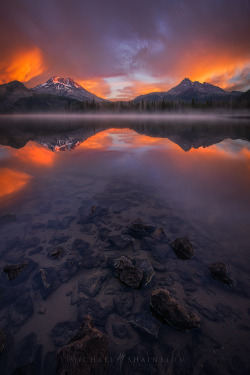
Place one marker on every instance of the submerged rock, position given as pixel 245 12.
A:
pixel 86 353
pixel 56 253
pixel 90 306
pixel 14 270
pixel 58 239
pixel 172 312
pixel 93 214
pixel 145 323
pixel 62 331
pixel 2 340
pixel 46 281
pixel 92 285
pixel 21 310
pixel 219 271
pixel 120 330
pixel 148 271
pixel 120 241
pixel 139 230
pixel 127 272
pixel 124 304
pixel 183 248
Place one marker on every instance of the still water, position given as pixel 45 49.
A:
pixel 190 177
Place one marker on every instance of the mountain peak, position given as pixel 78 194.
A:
pixel 67 87
pixel 63 81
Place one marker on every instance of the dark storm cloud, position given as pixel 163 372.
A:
pixel 98 39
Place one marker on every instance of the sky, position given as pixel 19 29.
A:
pixel 119 49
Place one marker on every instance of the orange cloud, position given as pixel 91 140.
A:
pixel 96 86
pixel 12 181
pixel 22 66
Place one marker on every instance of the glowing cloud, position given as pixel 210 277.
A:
pixel 22 66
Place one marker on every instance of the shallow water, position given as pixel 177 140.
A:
pixel 190 177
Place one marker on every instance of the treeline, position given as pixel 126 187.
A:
pixel 157 106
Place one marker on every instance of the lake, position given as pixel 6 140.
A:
pixel 73 190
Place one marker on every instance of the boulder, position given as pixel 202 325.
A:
pixel 183 248
pixel 86 353
pixel 219 271
pixel 172 312
pixel 127 272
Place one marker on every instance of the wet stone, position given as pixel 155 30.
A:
pixel 88 343
pixel 219 271
pixel 92 285
pixel 127 272
pixel 14 270
pixel 183 248
pixel 172 312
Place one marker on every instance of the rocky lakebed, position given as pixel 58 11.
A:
pixel 106 271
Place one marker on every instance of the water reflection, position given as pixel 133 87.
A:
pixel 191 180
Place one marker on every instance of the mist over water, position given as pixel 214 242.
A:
pixel 189 176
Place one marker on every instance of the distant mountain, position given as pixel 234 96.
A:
pixel 188 90
pixel 11 92
pixel 66 87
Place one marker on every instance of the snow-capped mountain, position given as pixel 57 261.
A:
pixel 66 87
pixel 188 90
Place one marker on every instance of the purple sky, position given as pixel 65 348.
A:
pixel 120 49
